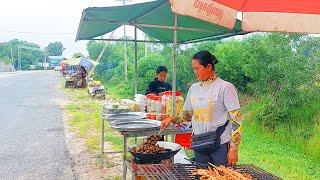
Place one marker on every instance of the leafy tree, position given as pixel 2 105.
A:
pixel 55 49
pixel 28 57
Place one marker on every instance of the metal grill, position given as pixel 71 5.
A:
pixel 256 172
pixel 155 171
pixel 184 171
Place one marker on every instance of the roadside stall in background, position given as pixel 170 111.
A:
pixel 77 70
pixel 177 23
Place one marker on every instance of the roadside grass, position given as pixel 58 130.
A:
pixel 274 152
pixel 119 90
pixel 85 112
pixel 85 119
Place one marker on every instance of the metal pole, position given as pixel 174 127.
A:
pixel 11 54
pixel 124 176
pixel 174 67
pixel 44 59
pixel 102 138
pixel 135 61
pixel 130 40
pixel 19 60
pixel 125 51
pixel 146 47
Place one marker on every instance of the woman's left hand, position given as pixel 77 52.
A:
pixel 233 156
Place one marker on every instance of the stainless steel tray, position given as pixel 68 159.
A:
pixel 108 116
pixel 138 125
pixel 122 120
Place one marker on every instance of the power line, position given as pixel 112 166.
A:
pixel 31 32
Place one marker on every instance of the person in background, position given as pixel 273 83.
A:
pixel 82 75
pixel 212 105
pixel 159 85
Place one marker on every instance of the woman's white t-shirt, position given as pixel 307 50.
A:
pixel 210 104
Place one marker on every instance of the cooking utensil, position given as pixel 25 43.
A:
pixel 159 133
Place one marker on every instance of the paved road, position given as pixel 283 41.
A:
pixel 32 144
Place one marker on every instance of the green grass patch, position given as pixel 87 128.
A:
pixel 285 151
pixel 85 120
pixel 120 90
pixel 274 156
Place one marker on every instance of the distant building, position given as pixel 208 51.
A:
pixel 54 60
pixel 6 67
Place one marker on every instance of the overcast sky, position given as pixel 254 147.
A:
pixel 58 18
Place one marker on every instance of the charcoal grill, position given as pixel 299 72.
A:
pixel 184 171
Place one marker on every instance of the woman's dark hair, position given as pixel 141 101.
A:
pixel 205 58
pixel 161 69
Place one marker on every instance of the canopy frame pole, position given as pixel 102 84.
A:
pixel 130 40
pixel 154 26
pixel 135 61
pixel 174 69
pixel 215 38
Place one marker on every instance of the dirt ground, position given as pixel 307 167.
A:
pixel 88 165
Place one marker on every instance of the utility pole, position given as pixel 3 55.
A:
pixel 11 53
pixel 45 59
pixel 19 60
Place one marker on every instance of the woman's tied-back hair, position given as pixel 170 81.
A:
pixel 205 58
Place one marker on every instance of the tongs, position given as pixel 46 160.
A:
pixel 159 133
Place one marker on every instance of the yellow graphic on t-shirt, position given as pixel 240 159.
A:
pixel 203 113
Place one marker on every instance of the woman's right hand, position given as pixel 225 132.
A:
pixel 165 123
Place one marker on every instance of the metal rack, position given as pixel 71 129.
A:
pixel 184 171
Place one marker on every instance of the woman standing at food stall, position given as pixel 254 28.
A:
pixel 159 84
pixel 212 105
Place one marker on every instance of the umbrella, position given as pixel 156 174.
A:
pixel 73 61
pixel 76 61
pixel 301 16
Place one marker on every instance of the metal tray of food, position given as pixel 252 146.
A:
pixel 138 125
pixel 171 149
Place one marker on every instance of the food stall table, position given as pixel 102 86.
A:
pixel 136 132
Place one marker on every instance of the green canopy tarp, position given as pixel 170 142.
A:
pixel 154 18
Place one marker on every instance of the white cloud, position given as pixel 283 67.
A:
pixel 49 16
